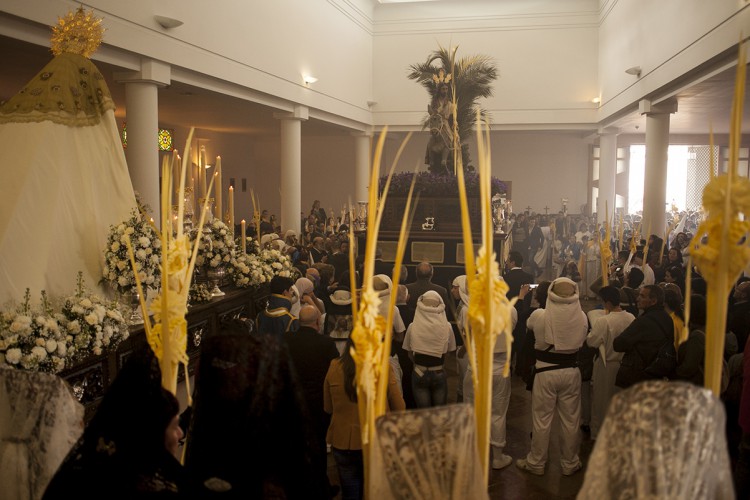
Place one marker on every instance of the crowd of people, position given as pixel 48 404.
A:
pixel 284 382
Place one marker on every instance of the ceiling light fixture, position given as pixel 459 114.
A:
pixel 168 22
pixel 635 71
pixel 596 100
pixel 309 79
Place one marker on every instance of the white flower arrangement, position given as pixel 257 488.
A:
pixel 117 269
pixel 217 246
pixel 250 270
pixel 32 339
pixel 92 325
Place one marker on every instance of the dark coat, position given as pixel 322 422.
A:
pixel 419 288
pixel 641 342
pixel 515 278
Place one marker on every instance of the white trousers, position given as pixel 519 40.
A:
pixel 500 400
pixel 556 390
pixel 603 381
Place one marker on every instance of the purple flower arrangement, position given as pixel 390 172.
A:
pixel 432 184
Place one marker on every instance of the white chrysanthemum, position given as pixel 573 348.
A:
pixel 85 302
pixel 38 352
pixel 74 327
pixel 13 356
pixel 144 242
pixel 91 319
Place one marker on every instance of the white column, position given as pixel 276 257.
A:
pixel 607 173
pixel 655 178
pixel 142 117
pixel 291 167
pixel 361 165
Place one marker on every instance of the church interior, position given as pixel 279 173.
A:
pixel 283 105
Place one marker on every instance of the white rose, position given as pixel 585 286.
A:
pixel 157 243
pixel 121 228
pixel 149 251
pixel 149 280
pixel 154 259
pixel 141 254
pixel 77 310
pixel 51 345
pixel 40 342
pixel 100 312
pixel 59 364
pixel 86 303
pixel 124 239
pixel 145 242
pixel 91 319
pixel 98 351
pixel 129 230
pixel 121 265
pixel 13 356
pixel 40 353
pixel 122 281
pixel 62 349
pixel 115 246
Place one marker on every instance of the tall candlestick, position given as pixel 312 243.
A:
pixel 175 176
pixel 242 235
pixel 231 208
pixel 219 189
pixel 202 170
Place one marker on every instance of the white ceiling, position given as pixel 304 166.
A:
pixel 700 105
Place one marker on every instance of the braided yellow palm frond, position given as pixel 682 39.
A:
pixel 167 336
pixel 605 251
pixel 371 332
pixel 723 254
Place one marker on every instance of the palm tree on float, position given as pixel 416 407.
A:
pixel 470 78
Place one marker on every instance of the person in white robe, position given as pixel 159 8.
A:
pixel 604 331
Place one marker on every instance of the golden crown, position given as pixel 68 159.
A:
pixel 78 32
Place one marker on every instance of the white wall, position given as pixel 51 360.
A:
pixel 547 63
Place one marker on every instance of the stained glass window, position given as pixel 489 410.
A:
pixel 165 139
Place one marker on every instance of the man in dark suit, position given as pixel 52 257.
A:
pixel 423 284
pixel 311 354
pixel 515 276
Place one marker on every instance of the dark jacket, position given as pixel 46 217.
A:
pixel 641 342
pixel 311 354
pixel 420 287
pixel 276 318
pixel 515 278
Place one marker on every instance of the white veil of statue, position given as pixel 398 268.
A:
pixel 63 180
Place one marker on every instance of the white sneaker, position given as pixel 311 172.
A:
pixel 522 464
pixel 501 461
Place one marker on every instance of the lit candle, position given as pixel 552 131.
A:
pixel 242 235
pixel 175 176
pixel 231 208
pixel 218 189
pixel 202 171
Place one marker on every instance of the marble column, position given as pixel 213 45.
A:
pixel 361 165
pixel 655 178
pixel 142 117
pixel 291 167
pixel 607 173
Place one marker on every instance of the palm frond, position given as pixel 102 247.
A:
pixel 472 79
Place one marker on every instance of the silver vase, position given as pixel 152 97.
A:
pixel 134 300
pixel 216 277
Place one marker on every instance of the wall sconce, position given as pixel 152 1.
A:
pixel 308 80
pixel 596 100
pixel 635 71
pixel 168 22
